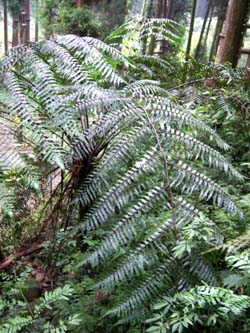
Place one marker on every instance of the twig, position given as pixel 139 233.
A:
pixel 190 82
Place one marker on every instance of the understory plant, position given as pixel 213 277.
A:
pixel 113 170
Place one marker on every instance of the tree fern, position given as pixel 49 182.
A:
pixel 132 162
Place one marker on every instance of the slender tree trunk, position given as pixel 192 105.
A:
pixel 22 22
pixel 218 29
pixel 27 21
pixel 165 8
pixel 160 6
pixel 79 3
pixel 199 45
pixel 5 17
pixel 190 35
pixel 36 22
pixel 209 23
pixel 191 30
pixel 216 38
pixel 248 61
pixel 15 33
pixel 168 14
pixel 233 31
pixel 170 10
pixel 201 8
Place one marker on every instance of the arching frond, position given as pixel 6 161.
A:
pixel 127 160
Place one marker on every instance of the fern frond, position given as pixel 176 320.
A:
pixel 164 111
pixel 124 231
pixel 15 55
pixel 110 51
pixel 160 29
pixel 104 209
pixel 143 294
pixel 151 60
pixel 193 180
pixel 91 56
pixel 201 150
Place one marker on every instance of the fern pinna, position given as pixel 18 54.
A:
pixel 127 163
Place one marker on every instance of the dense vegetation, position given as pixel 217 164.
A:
pixel 124 179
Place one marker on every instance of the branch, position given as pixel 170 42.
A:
pixel 20 254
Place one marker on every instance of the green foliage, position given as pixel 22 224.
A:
pixel 201 306
pixel 239 264
pixel 79 21
pixel 20 312
pixel 63 17
pixel 132 36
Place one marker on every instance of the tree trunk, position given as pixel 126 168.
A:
pixel 199 45
pixel 209 23
pixel 22 22
pixel 36 22
pixel 151 13
pixel 170 10
pixel 233 34
pixel 190 35
pixel 202 8
pixel 5 17
pixel 216 38
pixel 79 3
pixel 191 30
pixel 160 6
pixel 218 29
pixel 168 14
pixel 27 21
pixel 15 34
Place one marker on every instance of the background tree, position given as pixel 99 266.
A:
pixel 231 42
pixel 5 17
pixel 220 11
pixel 37 20
pixel 27 20
pixel 190 35
pixel 202 6
pixel 200 42
pixel 15 11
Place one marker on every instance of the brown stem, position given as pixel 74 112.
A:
pixel 20 254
